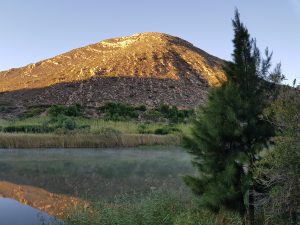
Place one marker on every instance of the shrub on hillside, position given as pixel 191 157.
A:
pixel 32 112
pixel 118 111
pixel 56 110
pixel 6 109
pixel 166 130
pixel 73 110
pixel 169 113
pixel 153 115
pixel 141 108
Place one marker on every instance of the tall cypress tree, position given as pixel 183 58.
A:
pixel 229 131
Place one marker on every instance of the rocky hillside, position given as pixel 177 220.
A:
pixel 146 68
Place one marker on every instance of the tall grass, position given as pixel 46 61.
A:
pixel 158 208
pixel 124 134
pixel 25 140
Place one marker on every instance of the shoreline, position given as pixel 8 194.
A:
pixel 49 140
pixel 51 203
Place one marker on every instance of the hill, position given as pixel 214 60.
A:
pixel 146 68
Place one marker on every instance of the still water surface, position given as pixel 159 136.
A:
pixel 15 213
pixel 87 174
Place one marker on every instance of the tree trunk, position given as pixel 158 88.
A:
pixel 251 206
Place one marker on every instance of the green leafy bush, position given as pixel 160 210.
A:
pixel 119 111
pixel 153 115
pixel 141 108
pixel 64 124
pixel 170 113
pixel 33 111
pixel 69 124
pixel 166 130
pixel 73 110
pixel 174 114
pixel 142 129
pixel 28 129
pixel 57 110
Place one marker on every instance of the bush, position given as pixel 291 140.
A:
pixel 142 129
pixel 118 111
pixel 28 129
pixel 170 113
pixel 174 114
pixel 33 111
pixel 141 108
pixel 153 115
pixel 74 110
pixel 64 124
pixel 69 124
pixel 59 110
pixel 166 130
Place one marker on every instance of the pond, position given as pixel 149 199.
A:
pixel 15 213
pixel 54 179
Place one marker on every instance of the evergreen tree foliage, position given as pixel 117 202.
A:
pixel 229 131
pixel 278 172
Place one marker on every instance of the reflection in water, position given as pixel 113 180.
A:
pixel 42 178
pixel 14 213
pixel 53 204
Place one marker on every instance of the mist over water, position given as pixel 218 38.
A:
pixel 91 174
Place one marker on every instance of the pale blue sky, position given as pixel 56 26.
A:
pixel 32 30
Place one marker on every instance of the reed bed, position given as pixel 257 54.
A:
pixel 26 140
pixel 156 208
